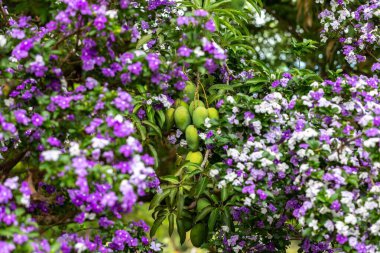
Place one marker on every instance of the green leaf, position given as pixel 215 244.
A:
pixel 158 198
pixel 155 128
pixel 200 186
pixel 143 40
pixel 157 223
pixel 160 118
pixel 224 194
pixel 205 211
pixel 155 155
pixel 170 179
pixel 212 219
pixel 171 224
pixel 181 230
pixel 173 193
pixel 180 202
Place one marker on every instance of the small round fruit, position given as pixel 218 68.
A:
pixel 198 234
pixel 189 90
pixel 192 137
pixel 213 113
pixel 195 104
pixel 182 118
pixel 199 116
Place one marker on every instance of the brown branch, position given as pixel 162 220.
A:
pixel 6 166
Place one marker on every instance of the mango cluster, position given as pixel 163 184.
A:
pixel 190 118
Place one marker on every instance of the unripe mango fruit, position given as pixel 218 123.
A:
pixel 195 104
pixel 213 113
pixel 169 118
pixel 199 116
pixel 202 203
pixel 189 90
pixel 182 118
pixel 194 157
pixel 179 103
pixel 192 137
pixel 198 234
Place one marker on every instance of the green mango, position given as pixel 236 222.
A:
pixel 198 234
pixel 199 116
pixel 194 157
pixel 189 90
pixel 169 118
pixel 213 113
pixel 202 203
pixel 194 104
pixel 192 137
pixel 179 103
pixel 182 118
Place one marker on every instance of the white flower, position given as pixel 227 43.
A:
pixel 222 184
pixel 3 41
pixel 231 176
pixel 99 142
pixel 314 224
pixel 51 155
pixel 111 14
pixel 119 118
pixel 375 228
pixel 202 136
pixel 370 143
pixel 231 100
pixel 214 172
pixel 74 149
pixel 226 229
pixel 350 219
pixel 198 52
pixel 183 143
pixel 80 247
pixel 207 122
pixel 247 201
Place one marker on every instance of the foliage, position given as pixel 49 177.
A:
pixel 108 103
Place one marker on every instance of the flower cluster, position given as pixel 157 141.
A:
pixel 355 24
pixel 313 158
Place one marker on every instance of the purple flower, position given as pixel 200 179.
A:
pixel 19 239
pixel 123 102
pixel 262 194
pixel 91 83
pixel 17 34
pixel 135 68
pixel 5 194
pixel 100 22
pixel 200 13
pixel 20 116
pixel 335 205
pixel 210 26
pixel 54 142
pixel 375 66
pixel 153 61
pixel 37 120
pixel 104 222
pixel 22 49
pixel 38 67
pixel 184 51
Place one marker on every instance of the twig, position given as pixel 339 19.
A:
pixel 205 158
